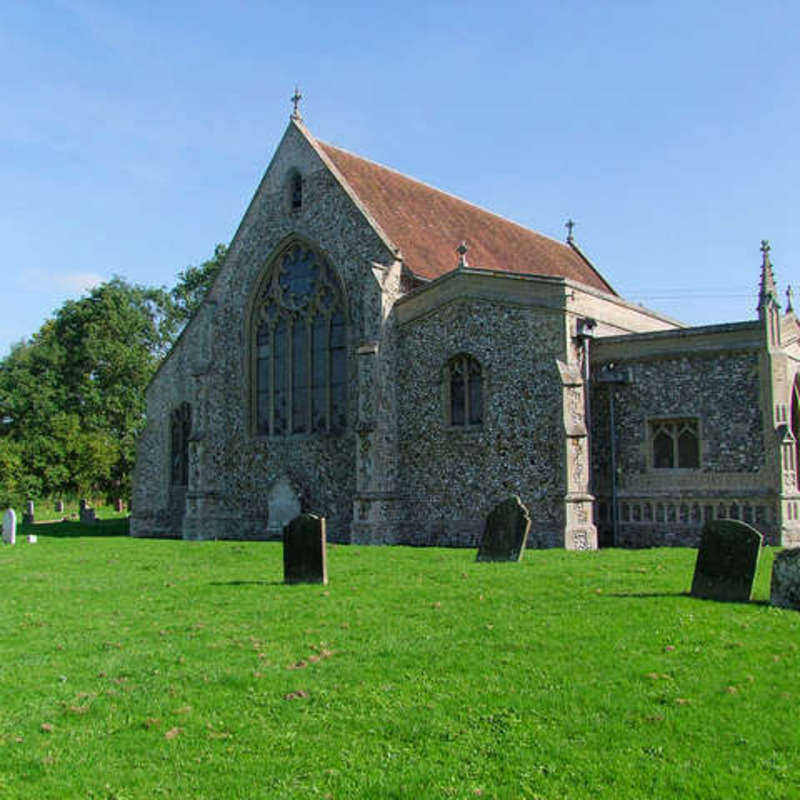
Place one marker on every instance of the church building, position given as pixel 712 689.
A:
pixel 397 360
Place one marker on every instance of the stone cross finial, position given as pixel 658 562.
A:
pixel 789 295
pixel 462 255
pixel 569 225
pixel 295 99
pixel 765 248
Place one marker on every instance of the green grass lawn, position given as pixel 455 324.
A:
pixel 146 669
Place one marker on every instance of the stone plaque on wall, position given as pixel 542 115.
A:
pixel 505 532
pixel 304 559
pixel 726 561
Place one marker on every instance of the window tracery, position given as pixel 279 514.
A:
pixel 301 348
pixel 464 384
pixel 675 443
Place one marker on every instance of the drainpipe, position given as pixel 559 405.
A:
pixel 613 377
pixel 584 334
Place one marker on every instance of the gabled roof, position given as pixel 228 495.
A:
pixel 427 225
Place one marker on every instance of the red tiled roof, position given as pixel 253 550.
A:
pixel 427 225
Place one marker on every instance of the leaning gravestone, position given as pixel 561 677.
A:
pixel 726 561
pixel 283 506
pixel 505 532
pixel 304 559
pixel 10 526
pixel 28 515
pixel 785 585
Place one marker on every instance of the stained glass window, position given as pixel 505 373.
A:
pixel 300 348
pixel 465 389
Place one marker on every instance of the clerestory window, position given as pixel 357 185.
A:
pixel 300 348
pixel 180 429
pixel 675 443
pixel 464 391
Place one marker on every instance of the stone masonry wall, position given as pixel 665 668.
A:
pixel 451 477
pixel 234 468
pixel 668 506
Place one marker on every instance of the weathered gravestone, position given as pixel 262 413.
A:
pixel 86 514
pixel 59 507
pixel 304 559
pixel 785 584
pixel 283 506
pixel 726 561
pixel 505 532
pixel 28 514
pixel 10 526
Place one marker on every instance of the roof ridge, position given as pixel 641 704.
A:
pixel 448 194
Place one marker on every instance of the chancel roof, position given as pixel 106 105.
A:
pixel 427 225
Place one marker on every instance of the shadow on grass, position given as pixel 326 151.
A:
pixel 686 594
pixel 247 583
pixel 67 529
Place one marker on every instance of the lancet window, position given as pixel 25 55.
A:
pixel 464 384
pixel 180 429
pixel 675 443
pixel 300 348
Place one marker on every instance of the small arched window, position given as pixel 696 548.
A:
pixel 294 190
pixel 180 429
pixel 464 391
pixel 300 337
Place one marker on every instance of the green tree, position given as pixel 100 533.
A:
pixel 193 285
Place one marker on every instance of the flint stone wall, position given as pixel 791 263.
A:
pixel 235 467
pixel 722 390
pixel 452 477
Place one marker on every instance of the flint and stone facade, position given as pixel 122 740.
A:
pixel 554 357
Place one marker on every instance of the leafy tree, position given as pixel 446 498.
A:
pixel 193 285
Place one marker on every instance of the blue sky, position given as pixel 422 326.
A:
pixel 134 133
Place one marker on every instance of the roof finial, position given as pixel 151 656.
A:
pixel 767 292
pixel 570 224
pixel 295 99
pixel 789 295
pixel 462 255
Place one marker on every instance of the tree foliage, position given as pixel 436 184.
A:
pixel 72 396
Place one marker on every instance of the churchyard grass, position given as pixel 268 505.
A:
pixel 146 669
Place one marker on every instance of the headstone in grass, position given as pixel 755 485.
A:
pixel 86 514
pixel 785 585
pixel 726 561
pixel 119 506
pixel 505 532
pixel 283 506
pixel 59 507
pixel 304 550
pixel 10 526
pixel 28 515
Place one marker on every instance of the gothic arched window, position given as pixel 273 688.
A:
pixel 675 443
pixel 300 347
pixel 464 391
pixel 180 429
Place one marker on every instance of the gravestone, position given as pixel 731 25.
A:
pixel 10 526
pixel 86 514
pixel 59 507
pixel 32 538
pixel 83 504
pixel 785 584
pixel 304 559
pixel 726 561
pixel 505 532
pixel 283 506
pixel 118 505
pixel 28 514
